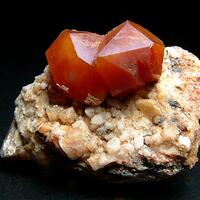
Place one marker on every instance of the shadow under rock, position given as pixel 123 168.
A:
pixel 90 188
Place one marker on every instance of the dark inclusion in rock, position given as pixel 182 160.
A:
pixel 174 104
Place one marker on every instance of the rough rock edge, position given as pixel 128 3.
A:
pixel 114 172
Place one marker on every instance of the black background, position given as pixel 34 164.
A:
pixel 26 32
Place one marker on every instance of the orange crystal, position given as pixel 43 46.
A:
pixel 128 58
pixel 70 58
pixel 86 66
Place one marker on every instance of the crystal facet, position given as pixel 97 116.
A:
pixel 128 58
pixel 70 58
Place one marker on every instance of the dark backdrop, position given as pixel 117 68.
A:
pixel 27 30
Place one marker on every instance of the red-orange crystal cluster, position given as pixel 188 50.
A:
pixel 88 66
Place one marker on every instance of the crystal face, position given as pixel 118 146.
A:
pixel 70 58
pixel 129 57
